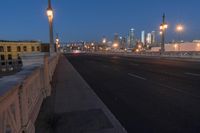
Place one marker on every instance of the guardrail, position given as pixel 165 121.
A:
pixel 21 96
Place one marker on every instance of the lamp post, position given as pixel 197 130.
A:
pixel 50 18
pixel 163 28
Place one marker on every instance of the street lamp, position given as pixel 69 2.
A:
pixel 57 43
pixel 50 18
pixel 179 29
pixel 163 28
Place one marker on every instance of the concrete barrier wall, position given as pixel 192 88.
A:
pixel 21 96
pixel 188 55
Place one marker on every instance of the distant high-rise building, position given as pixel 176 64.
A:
pixel 131 39
pixel 122 42
pixel 116 38
pixel 143 36
pixel 116 42
pixel 148 39
pixel 153 37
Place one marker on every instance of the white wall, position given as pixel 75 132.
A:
pixel 187 46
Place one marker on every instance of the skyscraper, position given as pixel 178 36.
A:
pixel 116 38
pixel 116 41
pixel 131 39
pixel 122 42
pixel 143 40
pixel 149 38
pixel 153 37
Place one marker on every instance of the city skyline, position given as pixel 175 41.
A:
pixel 75 21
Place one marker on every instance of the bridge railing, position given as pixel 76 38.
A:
pixel 21 96
pixel 192 54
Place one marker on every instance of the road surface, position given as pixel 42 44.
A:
pixel 147 95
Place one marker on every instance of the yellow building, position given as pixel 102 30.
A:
pixel 12 49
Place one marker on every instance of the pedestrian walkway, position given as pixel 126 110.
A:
pixel 73 107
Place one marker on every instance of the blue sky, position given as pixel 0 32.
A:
pixel 92 19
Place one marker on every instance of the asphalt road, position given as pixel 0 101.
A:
pixel 147 95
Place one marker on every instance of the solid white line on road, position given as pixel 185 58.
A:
pixel 193 74
pixel 136 76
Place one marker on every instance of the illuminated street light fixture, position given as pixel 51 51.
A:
pixel 163 28
pixel 50 18
pixel 115 45
pixel 179 30
pixel 57 43
pixel 139 46
pixel 104 40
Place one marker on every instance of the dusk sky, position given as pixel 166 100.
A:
pixel 91 19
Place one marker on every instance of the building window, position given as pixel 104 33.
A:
pixel 9 48
pixel 25 48
pixel 18 49
pixel 9 57
pixel 38 48
pixel 33 48
pixel 2 57
pixel 1 49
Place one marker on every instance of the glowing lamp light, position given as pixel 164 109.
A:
pixel 165 26
pixel 115 45
pixel 50 13
pixel 161 27
pixel 179 28
pixel 104 41
pixel 175 45
pixel 139 46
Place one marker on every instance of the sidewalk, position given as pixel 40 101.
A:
pixel 73 107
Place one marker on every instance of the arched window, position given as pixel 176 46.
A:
pixel 18 49
pixel 1 49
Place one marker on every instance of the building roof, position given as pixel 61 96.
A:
pixel 29 41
